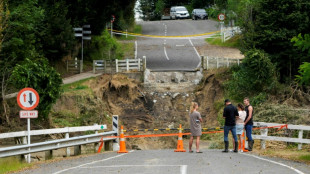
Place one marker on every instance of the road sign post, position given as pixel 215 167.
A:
pixel 221 17
pixel 84 33
pixel 112 20
pixel 28 99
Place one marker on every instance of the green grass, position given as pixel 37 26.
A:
pixel 216 40
pixel 129 49
pixel 305 157
pixel 12 164
pixel 76 85
pixel 137 29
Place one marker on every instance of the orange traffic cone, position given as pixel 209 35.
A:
pixel 122 144
pixel 243 143
pixel 180 147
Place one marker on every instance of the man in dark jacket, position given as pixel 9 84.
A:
pixel 230 113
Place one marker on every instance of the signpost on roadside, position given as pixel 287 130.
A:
pixel 83 32
pixel 28 99
pixel 112 20
pixel 221 17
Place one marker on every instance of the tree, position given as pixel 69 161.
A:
pixel 272 24
pixel 23 28
pixel 57 37
pixel 37 74
pixel 257 74
pixel 303 43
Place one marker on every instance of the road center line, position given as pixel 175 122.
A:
pixel 281 164
pixel 166 53
pixel 92 162
pixel 196 52
pixel 136 49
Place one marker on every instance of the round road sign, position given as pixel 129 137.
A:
pixel 221 17
pixel 28 99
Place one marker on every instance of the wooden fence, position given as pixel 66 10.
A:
pixel 264 134
pixel 75 66
pixel 119 65
pixel 217 62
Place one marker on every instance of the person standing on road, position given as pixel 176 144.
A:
pixel 240 122
pixel 195 124
pixel 248 123
pixel 230 113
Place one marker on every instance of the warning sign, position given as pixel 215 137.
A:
pixel 28 99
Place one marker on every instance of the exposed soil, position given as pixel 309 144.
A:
pixel 218 51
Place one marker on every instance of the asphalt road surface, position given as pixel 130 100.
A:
pixel 169 162
pixel 168 54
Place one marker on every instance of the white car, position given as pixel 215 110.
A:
pixel 179 12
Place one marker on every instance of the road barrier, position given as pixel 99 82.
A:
pixel 229 32
pixel 119 65
pixel 208 62
pixel 180 147
pixel 260 126
pixel 157 36
pixel 49 146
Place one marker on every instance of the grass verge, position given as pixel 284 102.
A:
pixel 216 40
pixel 281 150
pixel 12 164
pixel 79 85
pixel 129 49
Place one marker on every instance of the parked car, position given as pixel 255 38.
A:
pixel 179 12
pixel 199 14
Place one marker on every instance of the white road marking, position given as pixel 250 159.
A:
pixel 196 52
pixel 166 53
pixel 183 169
pixel 281 164
pixel 136 49
pixel 61 171
pixel 179 45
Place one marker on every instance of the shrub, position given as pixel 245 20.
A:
pixel 257 74
pixel 37 74
pixel 104 47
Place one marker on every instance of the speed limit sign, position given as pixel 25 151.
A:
pixel 221 17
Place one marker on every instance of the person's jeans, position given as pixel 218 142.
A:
pixel 233 131
pixel 248 130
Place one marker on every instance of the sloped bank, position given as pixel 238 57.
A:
pixel 137 107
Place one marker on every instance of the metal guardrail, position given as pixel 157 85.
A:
pixel 55 144
pixel 264 134
pixel 95 127
pixel 119 65
pixel 229 32
pixel 217 62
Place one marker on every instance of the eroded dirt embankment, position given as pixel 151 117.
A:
pixel 138 109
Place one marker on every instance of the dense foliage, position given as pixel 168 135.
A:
pixel 44 28
pixel 37 74
pixel 257 74
pixel 272 25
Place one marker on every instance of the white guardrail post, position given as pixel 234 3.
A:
pixel 207 62
pixel 68 149
pixel 116 65
pixel 300 135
